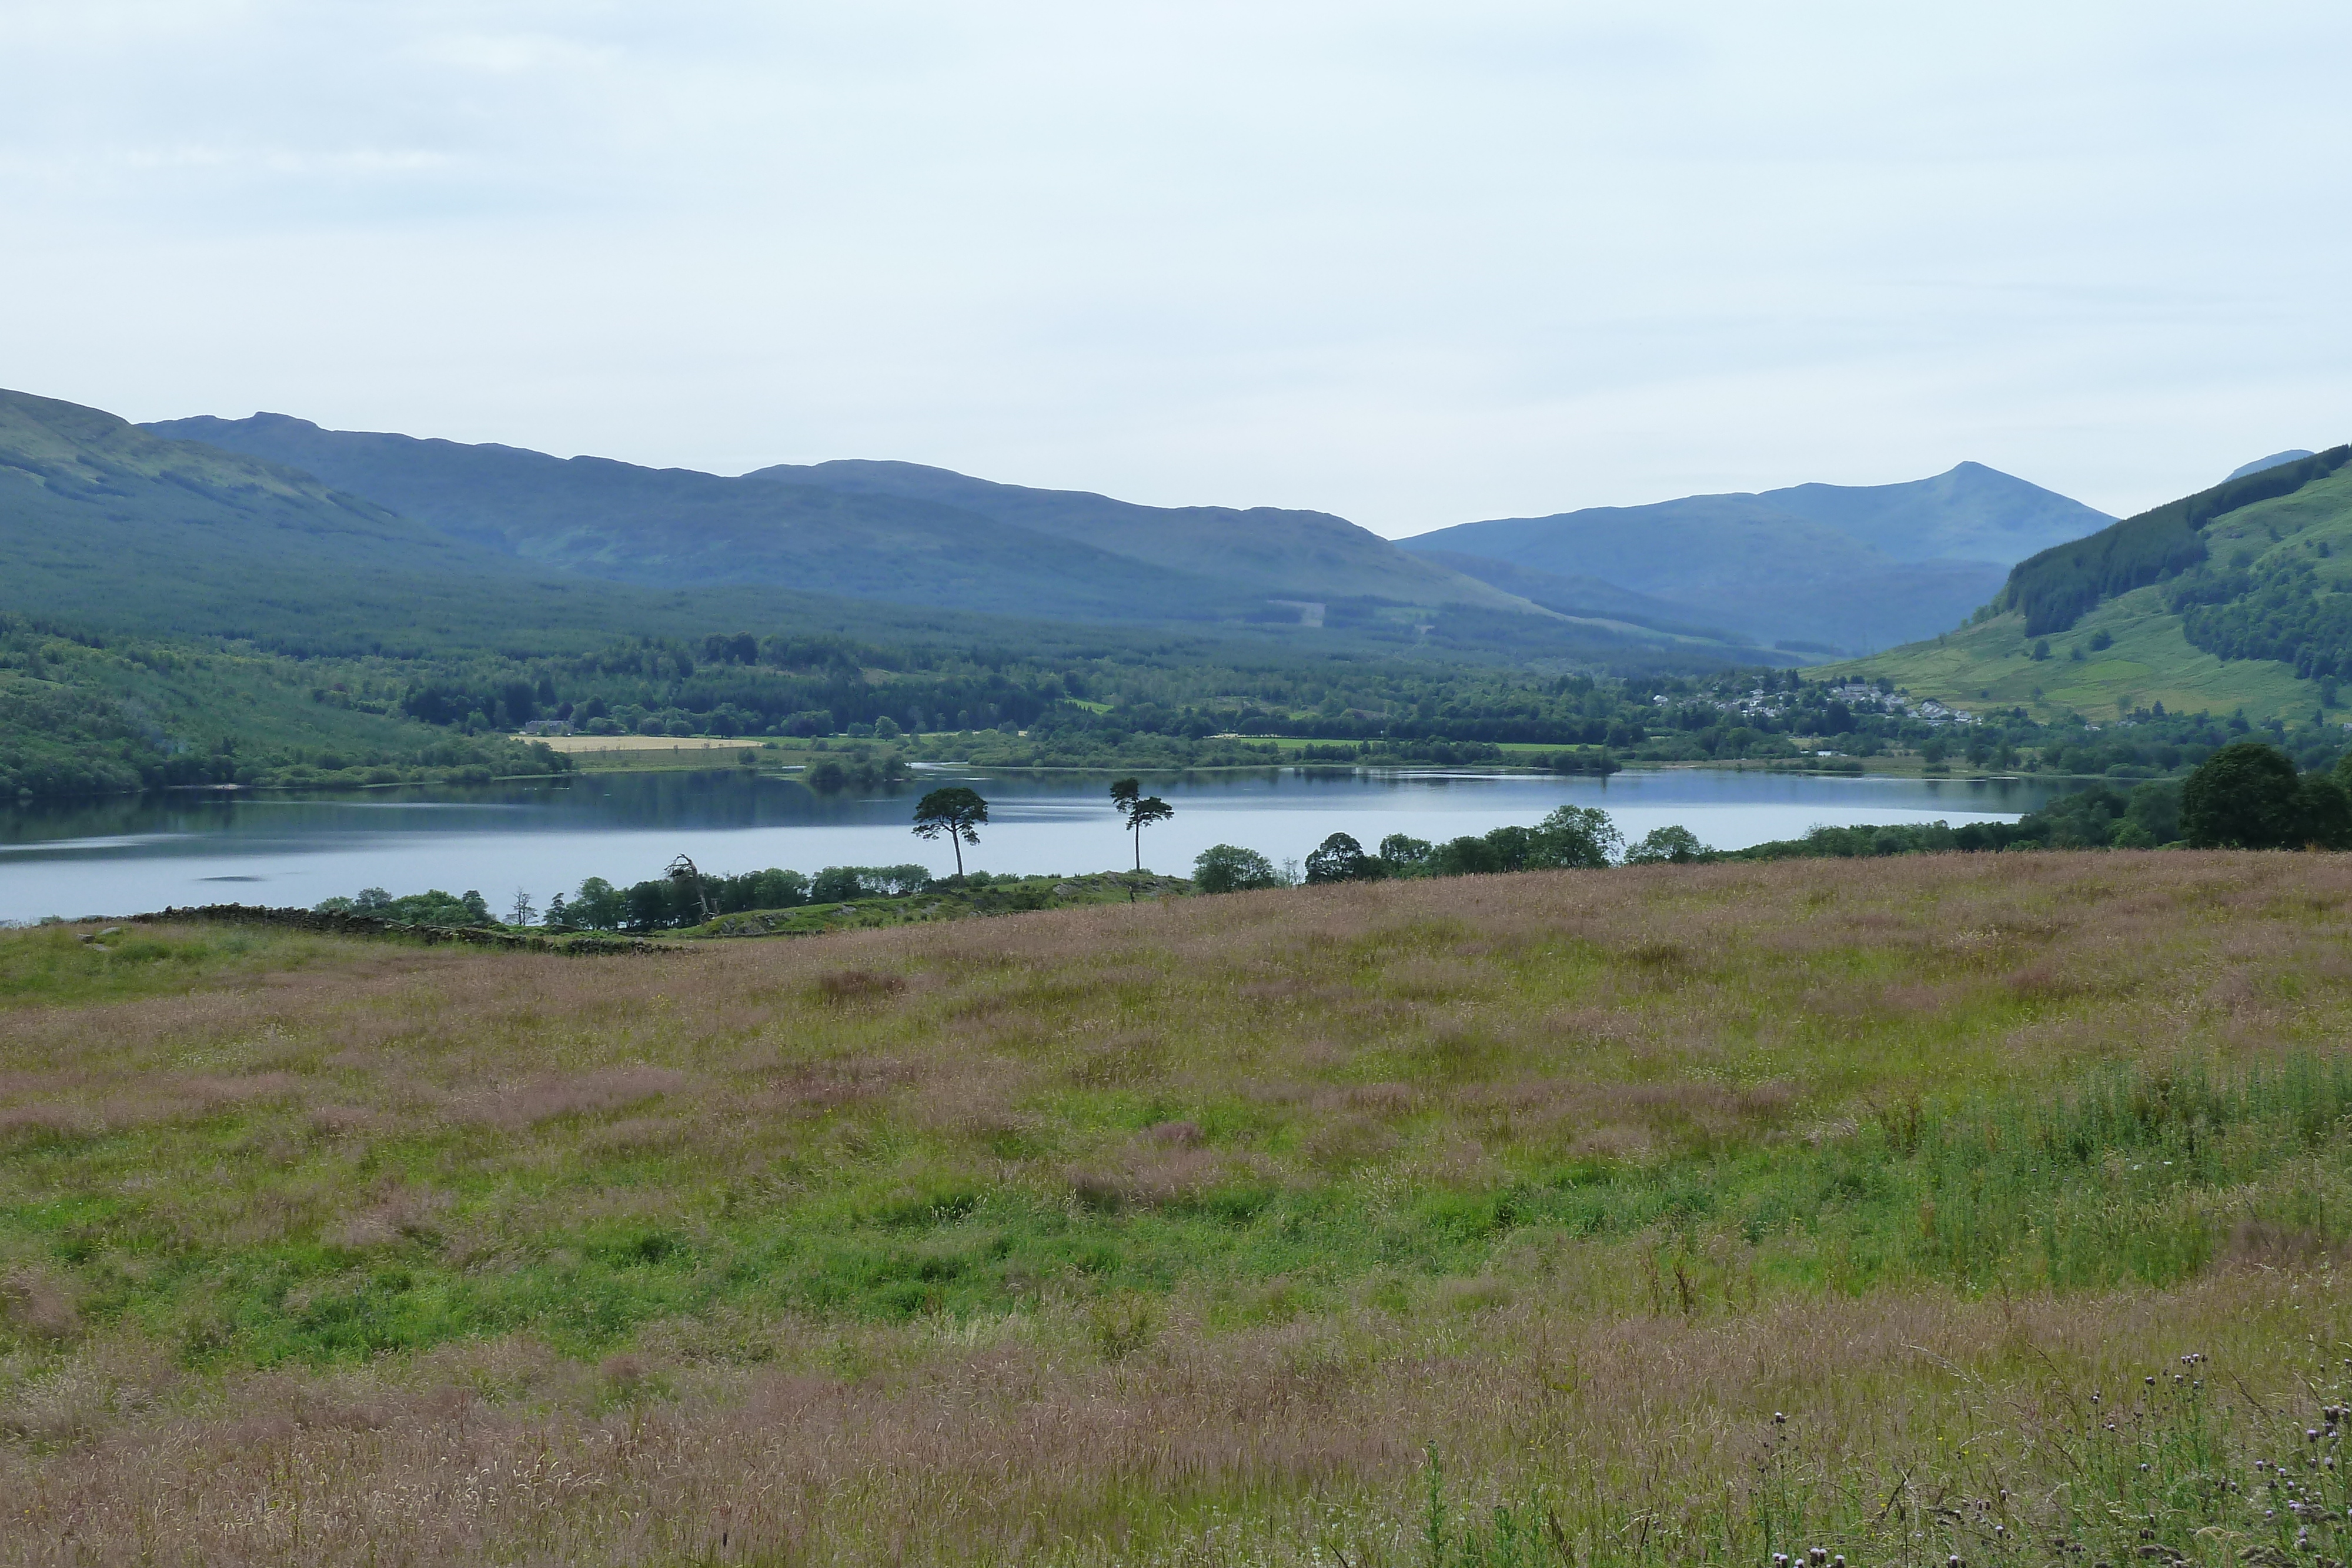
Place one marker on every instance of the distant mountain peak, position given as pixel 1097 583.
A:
pixel 1854 565
pixel 2294 454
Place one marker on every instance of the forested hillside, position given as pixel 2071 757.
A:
pixel 2052 589
pixel 890 532
pixel 2233 598
pixel 84 714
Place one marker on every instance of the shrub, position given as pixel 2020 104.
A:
pixel 1341 858
pixel 1229 868
pixel 2247 796
pixel 1675 845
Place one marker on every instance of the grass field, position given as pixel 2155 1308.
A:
pixel 1983 1206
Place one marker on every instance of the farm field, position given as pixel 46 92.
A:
pixel 1985 1206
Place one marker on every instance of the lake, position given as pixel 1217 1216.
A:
pixel 120 856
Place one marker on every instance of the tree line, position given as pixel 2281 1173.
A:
pixel 2248 795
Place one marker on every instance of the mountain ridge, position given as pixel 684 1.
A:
pixel 858 530
pixel 676 528
pixel 2291 454
pixel 1259 545
pixel 1860 566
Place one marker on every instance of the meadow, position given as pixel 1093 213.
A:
pixel 1939 1206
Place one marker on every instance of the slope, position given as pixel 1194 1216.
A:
pixel 1734 562
pixel 108 526
pixel 673 527
pixel 2291 454
pixel 1586 597
pixel 2239 596
pixel 1271 550
pixel 1859 566
pixel 1970 513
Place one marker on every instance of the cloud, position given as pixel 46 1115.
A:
pixel 1411 263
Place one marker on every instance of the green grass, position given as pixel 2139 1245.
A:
pixel 76 966
pixel 1191 1231
pixel 2131 1175
pixel 2125 1180
pixel 2150 661
pixel 1991 664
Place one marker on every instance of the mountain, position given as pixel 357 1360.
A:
pixel 1269 550
pixel 891 532
pixel 1585 598
pixel 1853 566
pixel 109 526
pixel 103 524
pixel 1970 513
pixel 2238 596
pixel 2292 454
pixel 673 527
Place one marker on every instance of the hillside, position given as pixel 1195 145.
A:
pixel 2239 596
pixel 672 527
pixel 1267 550
pixel 1588 598
pixel 1631 1218
pixel 106 526
pixel 888 532
pixel 1969 513
pixel 2291 454
pixel 1856 567
pixel 103 524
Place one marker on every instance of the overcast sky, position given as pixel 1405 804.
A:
pixel 1415 263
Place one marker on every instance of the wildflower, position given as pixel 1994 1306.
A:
pixel 1779 1417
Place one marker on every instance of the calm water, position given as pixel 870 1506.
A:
pixel 117 857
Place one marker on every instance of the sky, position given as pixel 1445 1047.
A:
pixel 1415 263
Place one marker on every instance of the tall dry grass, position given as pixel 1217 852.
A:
pixel 1177 1232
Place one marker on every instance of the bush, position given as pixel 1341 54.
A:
pixel 1675 845
pixel 838 884
pixel 2247 796
pixel 1576 837
pixel 1229 868
pixel 1341 858
pixel 433 907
